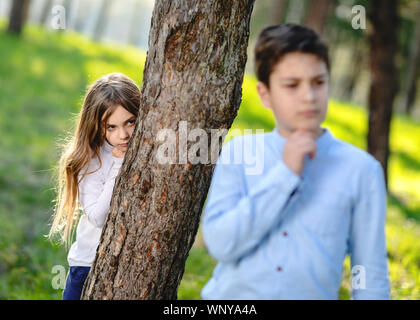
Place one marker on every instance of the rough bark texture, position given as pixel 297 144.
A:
pixel 384 84
pixel 194 72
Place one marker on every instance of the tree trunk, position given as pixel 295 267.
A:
pixel 317 13
pixel 45 13
pixel 101 21
pixel 279 9
pixel 18 14
pixel 134 31
pixel 67 4
pixel 384 84
pixel 295 11
pixel 410 81
pixel 412 93
pixel 80 15
pixel 356 68
pixel 194 72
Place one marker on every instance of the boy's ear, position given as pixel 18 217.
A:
pixel 263 92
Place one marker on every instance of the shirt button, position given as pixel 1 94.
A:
pixel 279 268
pixel 285 233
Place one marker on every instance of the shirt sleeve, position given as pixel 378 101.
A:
pixel 95 192
pixel 235 222
pixel 367 245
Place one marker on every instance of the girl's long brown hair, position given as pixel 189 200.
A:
pixel 100 101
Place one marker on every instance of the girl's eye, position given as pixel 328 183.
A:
pixel 130 122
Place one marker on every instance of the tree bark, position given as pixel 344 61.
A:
pixel 18 15
pixel 194 72
pixel 384 84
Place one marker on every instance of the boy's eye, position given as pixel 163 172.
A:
pixel 291 85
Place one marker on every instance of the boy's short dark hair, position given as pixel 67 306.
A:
pixel 276 41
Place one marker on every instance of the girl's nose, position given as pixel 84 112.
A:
pixel 124 134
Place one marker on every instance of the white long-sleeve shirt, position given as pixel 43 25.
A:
pixel 95 192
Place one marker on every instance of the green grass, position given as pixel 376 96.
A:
pixel 42 83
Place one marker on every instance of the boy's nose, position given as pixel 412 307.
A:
pixel 308 93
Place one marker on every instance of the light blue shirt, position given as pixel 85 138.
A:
pixel 277 235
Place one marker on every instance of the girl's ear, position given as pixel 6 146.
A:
pixel 264 93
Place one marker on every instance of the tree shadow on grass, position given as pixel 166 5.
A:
pixel 409 213
pixel 407 160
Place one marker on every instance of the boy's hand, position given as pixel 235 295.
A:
pixel 297 146
pixel 118 153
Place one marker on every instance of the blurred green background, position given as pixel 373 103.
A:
pixel 43 77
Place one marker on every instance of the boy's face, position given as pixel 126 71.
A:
pixel 298 93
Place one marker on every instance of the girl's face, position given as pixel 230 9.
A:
pixel 119 128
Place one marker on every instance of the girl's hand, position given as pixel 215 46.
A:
pixel 118 153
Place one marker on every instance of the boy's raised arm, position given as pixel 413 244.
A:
pixel 367 239
pixel 235 221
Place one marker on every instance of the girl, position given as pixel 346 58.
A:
pixel 87 170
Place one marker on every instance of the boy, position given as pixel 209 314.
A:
pixel 284 234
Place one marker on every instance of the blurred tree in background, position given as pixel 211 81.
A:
pixel 409 81
pixel 317 13
pixel 384 46
pixel 18 15
pixel 101 20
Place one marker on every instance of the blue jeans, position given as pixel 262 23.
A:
pixel 74 283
